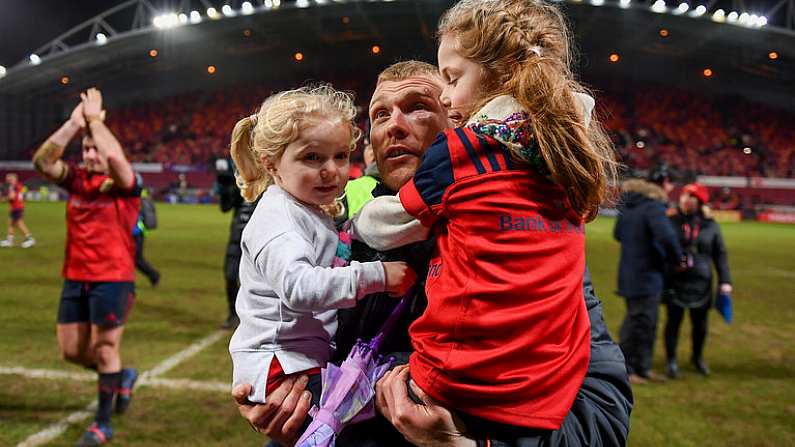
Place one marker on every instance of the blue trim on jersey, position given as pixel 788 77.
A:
pixel 489 150
pixel 470 150
pixel 435 173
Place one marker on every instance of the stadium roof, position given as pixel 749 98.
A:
pixel 668 47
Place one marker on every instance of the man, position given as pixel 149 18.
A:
pixel 406 115
pixel 648 245
pixel 230 199
pixel 17 205
pixel 99 268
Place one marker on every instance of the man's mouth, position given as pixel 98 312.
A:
pixel 394 152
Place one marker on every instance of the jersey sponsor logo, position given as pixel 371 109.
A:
pixel 537 223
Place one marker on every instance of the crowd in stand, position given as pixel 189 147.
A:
pixel 694 134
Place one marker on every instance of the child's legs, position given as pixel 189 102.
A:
pixel 24 228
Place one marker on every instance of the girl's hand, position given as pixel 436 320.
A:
pixel 399 278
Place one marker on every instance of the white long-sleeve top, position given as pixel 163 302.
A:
pixel 289 292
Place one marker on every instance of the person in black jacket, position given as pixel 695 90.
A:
pixel 600 414
pixel 701 238
pixel 648 245
pixel 230 199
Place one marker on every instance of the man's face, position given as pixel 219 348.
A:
pixel 405 118
pixel 93 160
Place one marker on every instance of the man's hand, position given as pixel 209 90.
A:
pixel 726 288
pixel 77 117
pixel 92 105
pixel 399 278
pixel 282 416
pixel 429 425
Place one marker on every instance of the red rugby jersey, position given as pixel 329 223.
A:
pixel 99 224
pixel 15 199
pixel 506 335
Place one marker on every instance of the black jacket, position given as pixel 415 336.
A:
pixel 700 237
pixel 648 242
pixel 599 415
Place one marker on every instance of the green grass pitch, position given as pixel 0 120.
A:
pixel 749 400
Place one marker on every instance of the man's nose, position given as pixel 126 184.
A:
pixel 398 125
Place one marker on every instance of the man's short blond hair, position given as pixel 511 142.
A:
pixel 401 71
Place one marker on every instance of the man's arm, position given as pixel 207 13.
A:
pixel 47 159
pixel 598 417
pixel 663 233
pixel 120 170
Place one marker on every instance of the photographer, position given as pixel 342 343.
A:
pixel 230 199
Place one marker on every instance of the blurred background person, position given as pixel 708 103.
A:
pixel 648 244
pixel 700 236
pixel 147 220
pixel 16 213
pixel 229 199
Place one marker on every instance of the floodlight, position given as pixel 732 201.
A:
pixel 247 8
pixel 699 11
pixel 35 59
pixel 228 11
pixel 732 17
pixel 624 3
pixel 719 16
pixel 195 17
pixel 682 8
pixel 2 71
pixel 213 13
pixel 102 39
pixel 658 6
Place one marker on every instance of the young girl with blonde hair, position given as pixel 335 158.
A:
pixel 294 153
pixel 505 337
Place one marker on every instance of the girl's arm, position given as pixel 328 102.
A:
pixel 383 224
pixel 287 264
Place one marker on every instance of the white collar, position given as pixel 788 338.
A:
pixel 503 106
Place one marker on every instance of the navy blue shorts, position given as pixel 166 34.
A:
pixel 16 215
pixel 105 304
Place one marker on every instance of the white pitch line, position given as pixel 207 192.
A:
pixel 55 430
pixel 174 384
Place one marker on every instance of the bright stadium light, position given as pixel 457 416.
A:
pixel 761 21
pixel 2 72
pixel 597 2
pixel 682 8
pixel 624 3
pixel 102 39
pixel 34 59
pixel 183 18
pixel 195 17
pixel 320 2
pixel 719 16
pixel 302 3
pixel 166 21
pixel 732 17
pixel 658 6
pixel 699 11
pixel 247 8
pixel 213 13
pixel 228 11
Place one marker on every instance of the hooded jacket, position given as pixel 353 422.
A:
pixel 648 241
pixel 700 236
